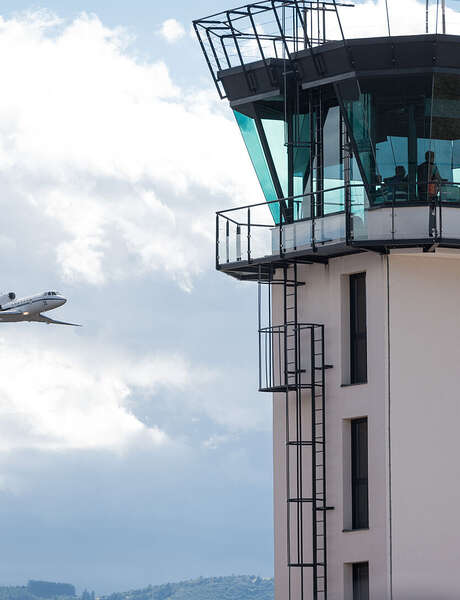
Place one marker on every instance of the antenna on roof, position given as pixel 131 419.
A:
pixel 443 10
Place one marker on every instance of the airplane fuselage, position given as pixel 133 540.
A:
pixel 33 305
pixel 31 308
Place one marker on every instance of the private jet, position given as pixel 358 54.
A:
pixel 30 308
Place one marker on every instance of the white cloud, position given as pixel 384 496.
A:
pixel 67 392
pixel 116 165
pixel 80 398
pixel 172 30
pixel 407 17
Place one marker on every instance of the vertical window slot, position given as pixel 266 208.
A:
pixel 361 581
pixel 359 474
pixel 358 329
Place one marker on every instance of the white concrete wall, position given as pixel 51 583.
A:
pixel 321 301
pixel 421 412
pixel 425 422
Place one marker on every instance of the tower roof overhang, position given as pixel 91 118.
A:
pixel 342 62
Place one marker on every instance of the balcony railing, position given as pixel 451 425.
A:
pixel 263 31
pixel 336 221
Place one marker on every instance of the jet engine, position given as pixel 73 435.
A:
pixel 5 298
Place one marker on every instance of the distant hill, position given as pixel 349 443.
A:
pixel 235 587
pixel 50 589
pixel 39 590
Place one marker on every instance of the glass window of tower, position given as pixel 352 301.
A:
pixel 399 136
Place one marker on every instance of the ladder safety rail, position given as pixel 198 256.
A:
pixel 292 362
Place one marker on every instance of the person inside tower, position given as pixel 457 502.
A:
pixel 428 178
pixel 396 186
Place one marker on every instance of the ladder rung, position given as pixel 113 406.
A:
pixel 299 500
pixel 318 564
pixel 300 443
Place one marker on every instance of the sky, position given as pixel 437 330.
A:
pixel 135 449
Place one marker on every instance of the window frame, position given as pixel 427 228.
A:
pixel 358 328
pixel 360 580
pixel 360 473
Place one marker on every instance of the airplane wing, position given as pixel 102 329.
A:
pixel 43 319
pixel 10 315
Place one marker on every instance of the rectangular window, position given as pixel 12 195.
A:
pixel 359 474
pixel 358 329
pixel 361 581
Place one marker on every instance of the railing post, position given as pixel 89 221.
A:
pixel 313 226
pixel 227 240
pixel 249 235
pixel 347 190
pixel 217 240
pixel 259 311
pixel 238 242
pixel 432 215
pixel 393 194
pixel 439 237
pixel 281 230
pixel 348 231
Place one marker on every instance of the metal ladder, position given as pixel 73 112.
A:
pixel 319 513
pixel 301 448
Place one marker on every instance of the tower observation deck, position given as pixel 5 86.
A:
pixel 356 145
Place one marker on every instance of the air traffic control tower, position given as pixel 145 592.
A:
pixel 356 252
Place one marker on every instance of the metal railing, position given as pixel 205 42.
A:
pixel 344 214
pixel 264 30
pixel 277 227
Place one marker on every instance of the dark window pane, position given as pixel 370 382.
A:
pixel 359 474
pixel 361 581
pixel 358 329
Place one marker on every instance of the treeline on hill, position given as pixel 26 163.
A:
pixel 38 590
pixel 235 587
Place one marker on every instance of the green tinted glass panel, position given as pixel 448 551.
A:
pixel 360 116
pixel 333 169
pixel 274 132
pixel 445 133
pixel 251 139
pixel 301 150
pixel 395 133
